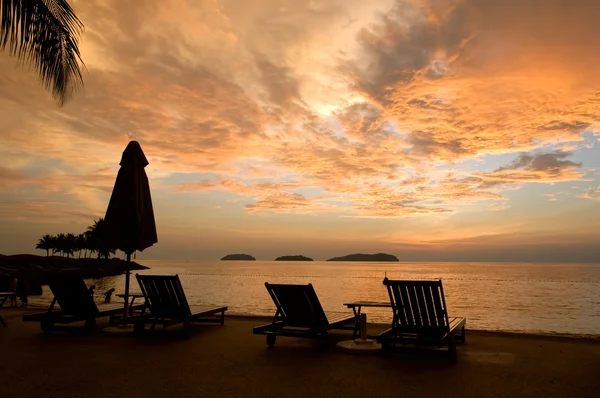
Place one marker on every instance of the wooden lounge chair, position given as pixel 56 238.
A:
pixel 166 304
pixel 299 314
pixel 420 316
pixel 76 304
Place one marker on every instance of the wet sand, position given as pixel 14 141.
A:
pixel 229 361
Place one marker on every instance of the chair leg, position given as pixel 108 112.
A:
pixel 222 318
pixel 452 348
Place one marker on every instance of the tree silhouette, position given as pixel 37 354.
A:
pixel 45 35
pixel 91 241
pixel 59 244
pixel 81 243
pixel 70 245
pixel 45 243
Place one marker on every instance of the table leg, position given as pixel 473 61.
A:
pixel 363 327
pixel 356 322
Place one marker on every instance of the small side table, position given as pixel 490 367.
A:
pixel 357 308
pixel 363 344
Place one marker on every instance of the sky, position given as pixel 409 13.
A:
pixel 434 130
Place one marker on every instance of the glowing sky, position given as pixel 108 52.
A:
pixel 429 129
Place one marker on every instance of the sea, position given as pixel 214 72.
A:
pixel 542 298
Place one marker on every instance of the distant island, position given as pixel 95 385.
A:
pixel 366 257
pixel 245 257
pixel 293 258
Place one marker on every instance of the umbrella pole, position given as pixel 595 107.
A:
pixel 127 267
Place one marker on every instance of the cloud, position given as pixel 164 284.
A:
pixel 541 168
pixel 498 84
pixel 499 206
pixel 592 193
pixel 10 177
pixel 285 202
pixel 202 185
pixel 43 212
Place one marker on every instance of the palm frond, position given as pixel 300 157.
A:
pixel 45 34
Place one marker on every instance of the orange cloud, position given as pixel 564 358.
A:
pixel 287 202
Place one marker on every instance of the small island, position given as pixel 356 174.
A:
pixel 238 257
pixel 379 257
pixel 293 258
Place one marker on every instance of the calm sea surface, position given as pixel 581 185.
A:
pixel 522 297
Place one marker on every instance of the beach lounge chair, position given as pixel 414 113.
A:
pixel 420 316
pixel 76 304
pixel 166 304
pixel 299 314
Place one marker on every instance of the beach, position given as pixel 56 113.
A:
pixel 229 361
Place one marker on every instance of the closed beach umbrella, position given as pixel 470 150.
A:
pixel 129 220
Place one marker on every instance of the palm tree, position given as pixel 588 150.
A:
pixel 45 34
pixel 81 244
pixel 60 244
pixel 96 239
pixel 45 243
pixel 88 242
pixel 70 244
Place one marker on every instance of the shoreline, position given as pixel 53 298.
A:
pixel 383 326
pixel 37 268
pixel 499 333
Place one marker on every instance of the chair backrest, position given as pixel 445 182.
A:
pixel 72 295
pixel 164 295
pixel 298 305
pixel 419 307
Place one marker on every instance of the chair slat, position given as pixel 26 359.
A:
pixel 439 309
pixel 414 305
pixel 420 293
pixel 430 308
pixel 407 306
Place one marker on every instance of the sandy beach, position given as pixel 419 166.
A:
pixel 229 361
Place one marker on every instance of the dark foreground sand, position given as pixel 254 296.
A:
pixel 228 361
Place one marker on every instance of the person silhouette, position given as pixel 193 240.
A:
pixel 91 290
pixel 108 295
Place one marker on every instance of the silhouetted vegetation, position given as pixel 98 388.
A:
pixel 238 257
pixel 366 257
pixel 44 34
pixel 293 258
pixel 86 244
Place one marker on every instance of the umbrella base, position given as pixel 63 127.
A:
pixel 119 330
pixel 359 346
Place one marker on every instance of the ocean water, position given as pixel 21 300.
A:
pixel 518 297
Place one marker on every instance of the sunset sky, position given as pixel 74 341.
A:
pixel 429 129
